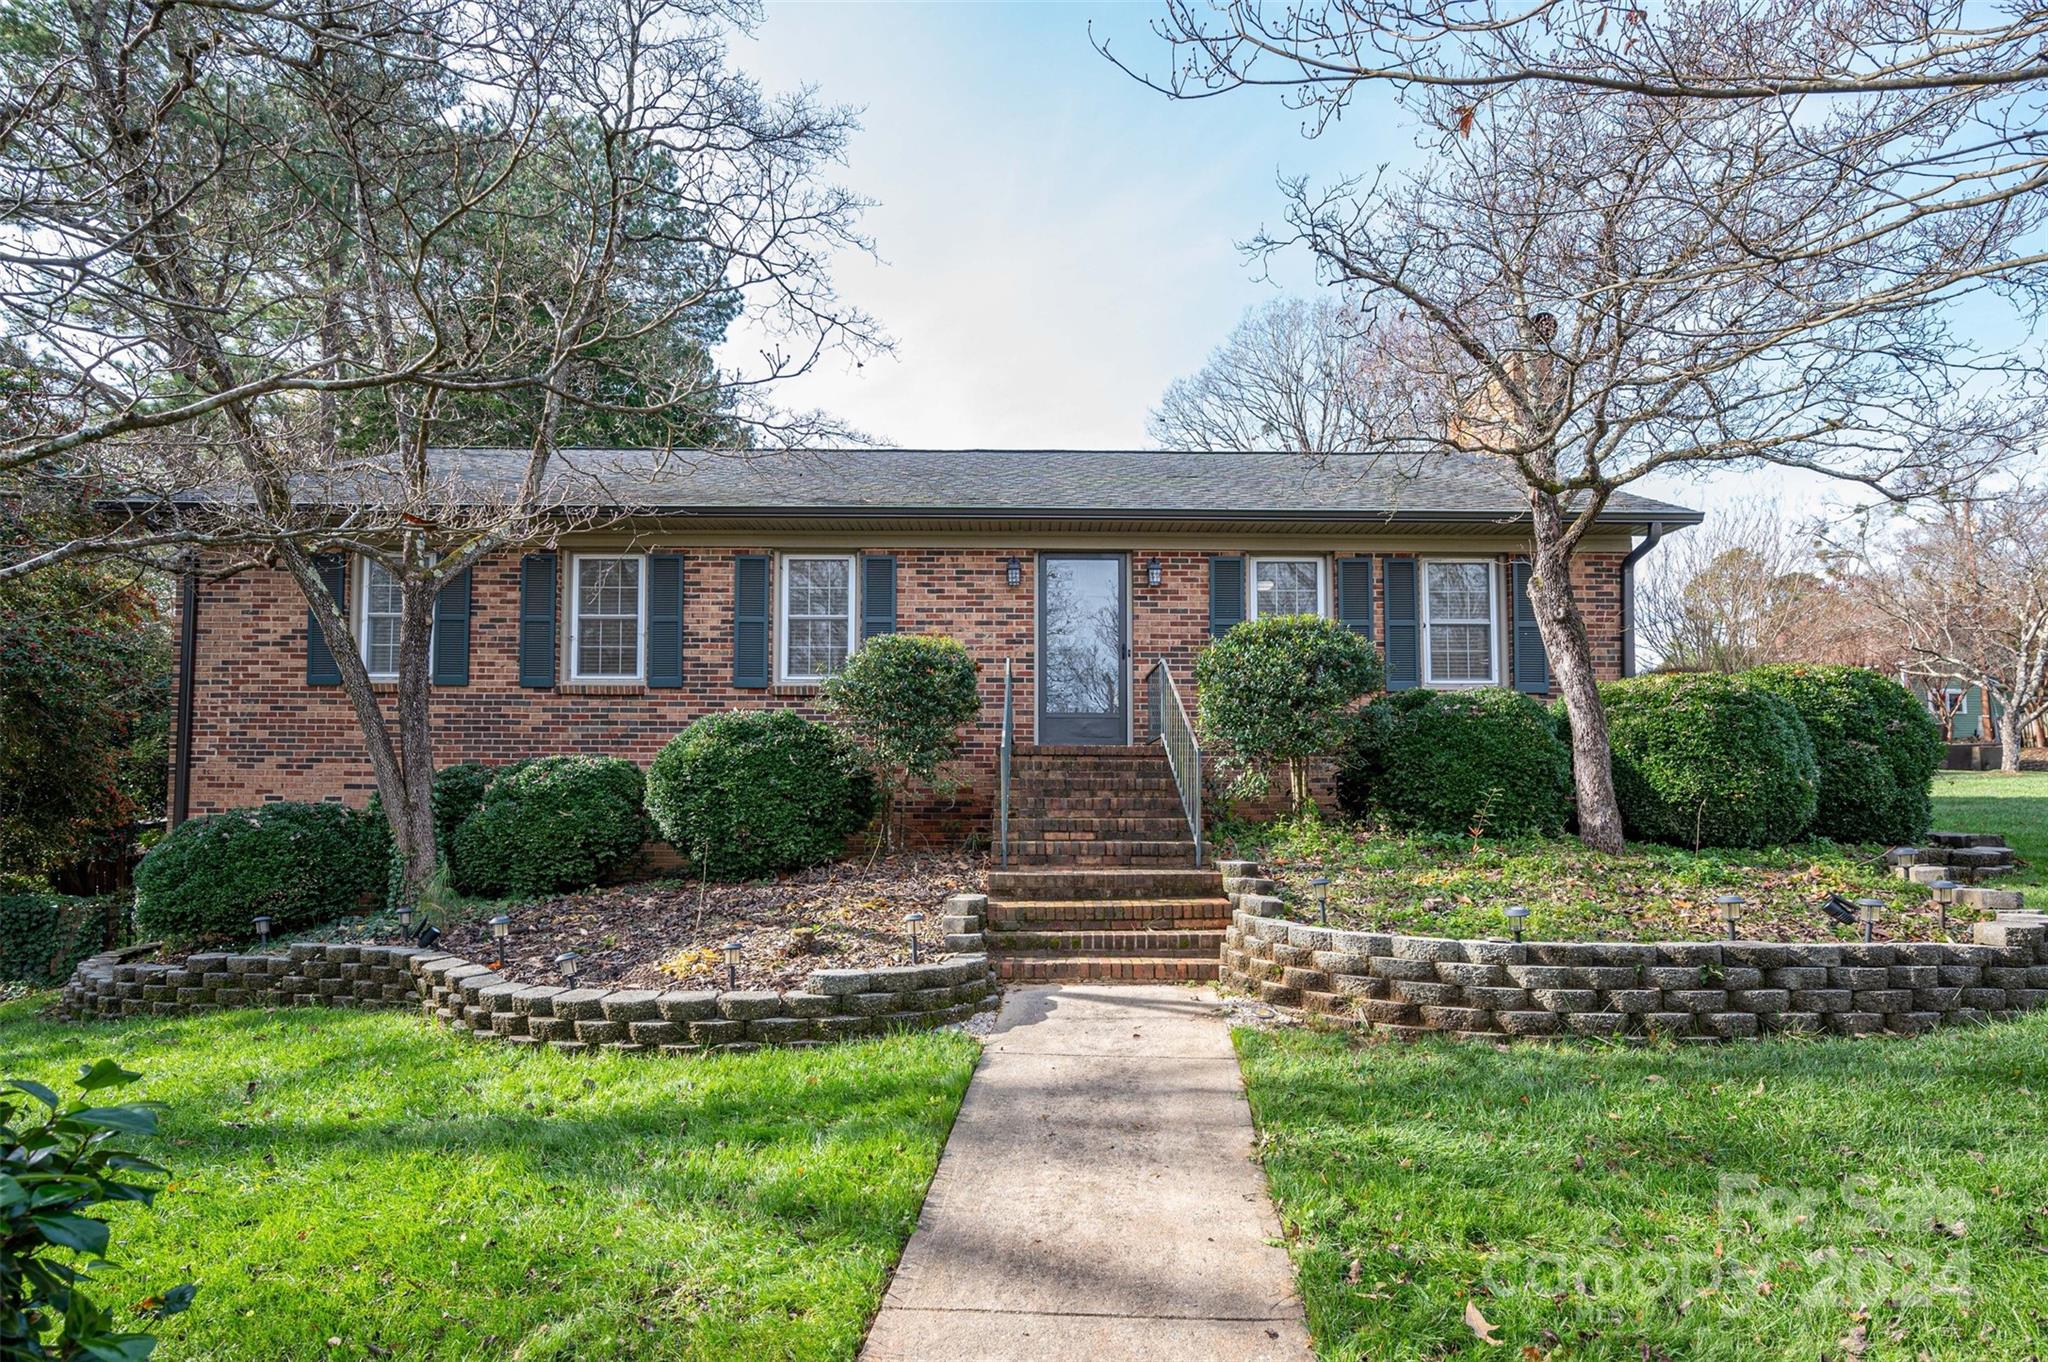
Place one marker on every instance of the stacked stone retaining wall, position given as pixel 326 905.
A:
pixel 836 1004
pixel 1410 986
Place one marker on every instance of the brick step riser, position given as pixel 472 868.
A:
pixel 1085 970
pixel 1085 811
pixel 1048 885
pixel 1108 828
pixel 1028 797
pixel 1156 945
pixel 1078 860
pixel 1123 750
pixel 1110 915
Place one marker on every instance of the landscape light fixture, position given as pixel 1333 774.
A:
pixel 429 934
pixel 1516 914
pixel 566 963
pixel 405 918
pixel 1152 572
pixel 501 934
pixel 1013 571
pixel 732 964
pixel 1944 896
pixel 1731 909
pixel 913 919
pixel 1319 887
pixel 261 922
pixel 1866 912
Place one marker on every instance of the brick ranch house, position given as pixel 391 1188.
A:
pixel 732 583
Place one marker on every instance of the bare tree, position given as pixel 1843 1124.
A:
pixel 1964 586
pixel 1306 375
pixel 259 261
pixel 1947 95
pixel 1739 591
pixel 1609 285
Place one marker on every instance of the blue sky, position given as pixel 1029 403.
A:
pixel 1057 242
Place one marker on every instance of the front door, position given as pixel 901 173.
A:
pixel 1084 672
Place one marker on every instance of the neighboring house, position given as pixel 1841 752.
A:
pixel 741 582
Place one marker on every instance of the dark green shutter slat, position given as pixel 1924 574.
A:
pixel 665 620
pixel 451 631
pixel 1226 595
pixel 537 620
pixel 1404 628
pixel 877 595
pixel 321 668
pixel 750 635
pixel 1532 664
pixel 1354 595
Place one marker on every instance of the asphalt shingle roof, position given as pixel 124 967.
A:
pixel 1067 483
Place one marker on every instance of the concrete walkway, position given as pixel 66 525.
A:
pixel 1098 1197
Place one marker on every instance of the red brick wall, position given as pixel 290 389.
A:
pixel 260 733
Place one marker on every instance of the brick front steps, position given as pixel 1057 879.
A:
pixel 478 1001
pixel 1408 986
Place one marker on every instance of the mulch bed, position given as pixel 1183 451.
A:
pixel 656 935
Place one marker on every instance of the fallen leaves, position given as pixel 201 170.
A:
pixel 1478 1324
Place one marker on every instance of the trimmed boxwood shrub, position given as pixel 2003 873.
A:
pixel 300 863
pixel 1877 746
pixel 550 824
pixel 44 936
pixel 1705 760
pixel 1453 761
pixel 756 792
pixel 458 791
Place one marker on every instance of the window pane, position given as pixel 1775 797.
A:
pixel 1459 652
pixel 817 647
pixel 608 647
pixel 1287 589
pixel 381 588
pixel 1458 591
pixel 817 599
pixel 818 586
pixel 608 586
pixel 380 645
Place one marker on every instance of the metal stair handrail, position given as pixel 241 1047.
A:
pixel 1176 734
pixel 1003 755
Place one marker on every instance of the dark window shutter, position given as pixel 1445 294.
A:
pixel 537 620
pixel 750 636
pixel 1354 595
pixel 1404 628
pixel 451 631
pixel 1532 664
pixel 877 595
pixel 1226 595
pixel 321 668
pixel 665 620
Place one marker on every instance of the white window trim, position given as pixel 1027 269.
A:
pixel 783 675
pixel 1492 622
pixel 1321 566
pixel 359 619
pixel 639 675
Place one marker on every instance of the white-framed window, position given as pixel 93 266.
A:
pixel 1288 586
pixel 816 615
pixel 1460 622
pixel 607 617
pixel 378 605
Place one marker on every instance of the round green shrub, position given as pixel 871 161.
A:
pixel 1455 761
pixel 44 936
pixel 1706 760
pixel 1877 746
pixel 1279 688
pixel 550 824
pixel 458 791
pixel 756 792
pixel 298 863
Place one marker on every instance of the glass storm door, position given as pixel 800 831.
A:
pixel 1083 649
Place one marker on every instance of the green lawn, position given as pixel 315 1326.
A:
pixel 2014 806
pixel 361 1185
pixel 1790 1199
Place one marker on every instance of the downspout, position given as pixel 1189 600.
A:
pixel 188 651
pixel 1628 596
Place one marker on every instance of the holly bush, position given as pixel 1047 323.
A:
pixel 550 824
pixel 903 699
pixel 1484 761
pixel 1279 688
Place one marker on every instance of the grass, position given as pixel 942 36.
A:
pixel 1452 886
pixel 1792 1199
pixel 2015 807
pixel 359 1185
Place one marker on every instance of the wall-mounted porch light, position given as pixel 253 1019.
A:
pixel 1152 572
pixel 1013 571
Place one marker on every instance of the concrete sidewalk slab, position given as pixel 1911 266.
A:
pixel 1098 1198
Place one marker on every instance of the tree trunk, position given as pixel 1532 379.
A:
pixel 1571 668
pixel 2012 737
